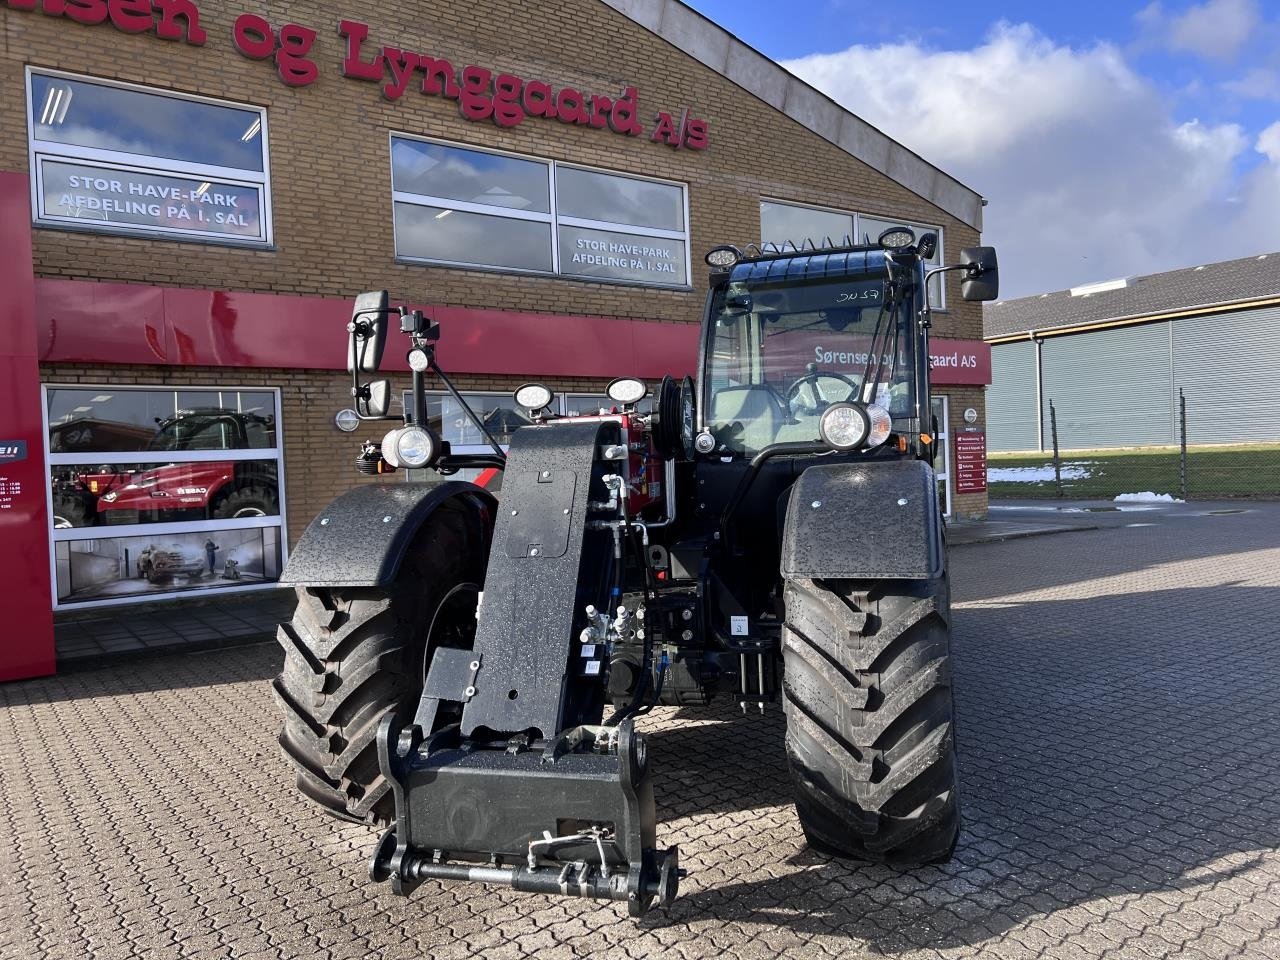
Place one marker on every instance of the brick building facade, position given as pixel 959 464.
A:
pixel 721 124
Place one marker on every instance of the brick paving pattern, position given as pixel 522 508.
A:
pixel 1120 755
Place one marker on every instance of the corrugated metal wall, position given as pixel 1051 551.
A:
pixel 1119 388
pixel 1229 368
pixel 1011 399
pixel 1112 388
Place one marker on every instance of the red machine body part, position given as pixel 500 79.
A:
pixel 643 469
pixel 176 486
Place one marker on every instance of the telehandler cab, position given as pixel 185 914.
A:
pixel 466 669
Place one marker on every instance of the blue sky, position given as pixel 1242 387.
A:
pixel 1111 139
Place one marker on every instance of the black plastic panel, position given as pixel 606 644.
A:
pixel 532 602
pixel 862 521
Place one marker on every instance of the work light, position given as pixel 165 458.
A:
pixel 896 238
pixel 534 397
pixel 723 257
pixel 627 391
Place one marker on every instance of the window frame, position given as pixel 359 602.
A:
pixel 41 151
pixel 553 218
pixel 159 458
pixel 857 216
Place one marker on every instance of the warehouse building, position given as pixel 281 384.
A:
pixel 192 193
pixel 1113 358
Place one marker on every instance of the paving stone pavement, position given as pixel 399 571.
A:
pixel 1120 756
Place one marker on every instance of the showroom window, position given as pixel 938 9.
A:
pixel 164 491
pixel 460 206
pixel 116 158
pixel 782 223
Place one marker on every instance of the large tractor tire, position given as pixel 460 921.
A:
pixel 70 511
pixel 352 654
pixel 870 718
pixel 250 501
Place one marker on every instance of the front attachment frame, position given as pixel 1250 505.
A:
pixel 574 818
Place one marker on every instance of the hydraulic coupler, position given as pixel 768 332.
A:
pixel 574 818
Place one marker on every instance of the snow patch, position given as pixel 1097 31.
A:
pixel 1148 497
pixel 1070 471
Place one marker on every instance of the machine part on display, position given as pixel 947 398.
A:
pixel 769 533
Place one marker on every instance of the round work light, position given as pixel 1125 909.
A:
pixel 419 362
pixel 845 426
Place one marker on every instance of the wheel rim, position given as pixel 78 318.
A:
pixel 61 523
pixel 453 624
pixel 248 512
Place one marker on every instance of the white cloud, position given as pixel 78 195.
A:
pixel 1269 143
pixel 1216 29
pixel 1088 174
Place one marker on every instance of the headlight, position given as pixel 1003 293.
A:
pixel 844 426
pixel 410 447
pixel 723 257
pixel 881 425
pixel 534 397
pixel 627 390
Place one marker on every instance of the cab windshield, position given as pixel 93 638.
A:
pixel 779 355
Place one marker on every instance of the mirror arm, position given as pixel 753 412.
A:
pixel 471 414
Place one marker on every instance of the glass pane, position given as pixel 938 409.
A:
pixel 498 412
pixel 108 420
pixel 109 196
pixel 140 567
pixel 617 199
pixel 90 495
pixel 781 222
pixel 621 256
pixel 101 117
pixel 434 170
pixel 433 233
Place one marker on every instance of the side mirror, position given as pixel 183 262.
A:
pixel 368 328
pixel 980 279
pixel 377 403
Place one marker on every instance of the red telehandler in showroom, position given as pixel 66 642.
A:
pixel 466 670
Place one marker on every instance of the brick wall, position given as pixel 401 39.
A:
pixel 331 177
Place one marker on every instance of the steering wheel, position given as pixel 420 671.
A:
pixel 812 376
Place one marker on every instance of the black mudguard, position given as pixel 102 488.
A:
pixel 360 539
pixel 863 521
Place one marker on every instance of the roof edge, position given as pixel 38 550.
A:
pixel 713 46
pixel 1133 320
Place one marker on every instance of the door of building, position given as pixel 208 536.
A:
pixel 942 466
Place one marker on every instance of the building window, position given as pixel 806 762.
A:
pixel 123 159
pixel 156 492
pixel 464 207
pixel 790 223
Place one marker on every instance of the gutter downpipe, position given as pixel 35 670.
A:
pixel 1039 391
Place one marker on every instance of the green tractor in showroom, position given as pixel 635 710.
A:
pixel 465 669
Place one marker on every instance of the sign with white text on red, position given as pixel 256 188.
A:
pixel 971 461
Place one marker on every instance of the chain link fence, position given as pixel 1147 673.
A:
pixel 1195 469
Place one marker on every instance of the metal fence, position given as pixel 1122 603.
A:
pixel 1198 468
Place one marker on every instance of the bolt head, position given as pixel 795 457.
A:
pixel 533 552
pixel 324 521
pixel 514 512
pixel 816 504
pixel 903 502
pixel 386 519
